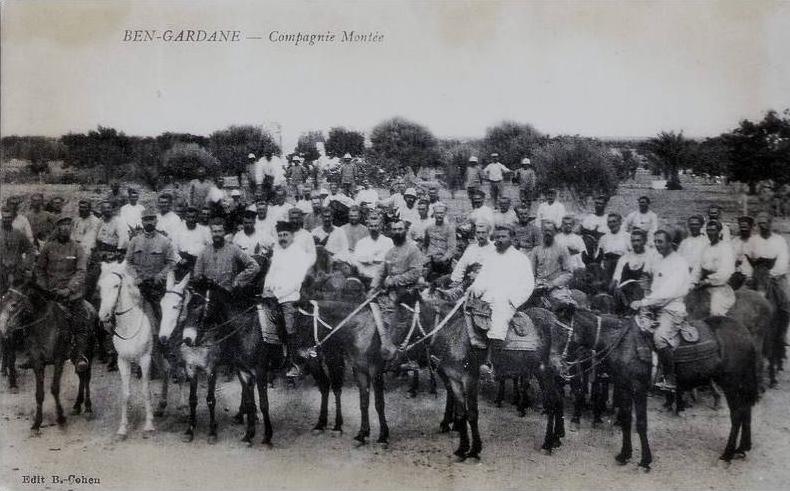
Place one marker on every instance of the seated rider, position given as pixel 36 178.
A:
pixel 635 265
pixel 222 262
pixel 553 270
pixel 716 267
pixel 671 283
pixel 61 269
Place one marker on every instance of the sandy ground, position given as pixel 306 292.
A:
pixel 686 448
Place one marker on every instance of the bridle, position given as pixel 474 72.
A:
pixel 118 314
pixel 18 312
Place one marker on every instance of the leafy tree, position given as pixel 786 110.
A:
pixel 673 152
pixel 104 146
pixel 397 143
pixel 512 141
pixel 342 141
pixel 306 144
pixel 183 159
pixel 760 151
pixel 232 145
pixel 710 156
pixel 583 166
pixel 454 155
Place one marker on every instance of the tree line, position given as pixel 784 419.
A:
pixel 752 152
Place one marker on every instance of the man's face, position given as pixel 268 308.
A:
pixel 567 225
pixel 523 216
pixel 149 223
pixel 712 232
pixel 180 209
pixel 695 226
pixel 502 239
pixel 662 243
pixel 744 227
pixel 279 198
pixel 409 199
pixel 106 210
pixel 438 214
pixel 326 218
pixel 37 201
pixel 205 216
pixel 285 238
pixel 57 204
pixel 614 224
pixel 261 210
pixel 190 217
pixel 220 182
pixel 295 217
pixel 333 188
pixel 764 224
pixel 374 225
pixel 218 235
pixel 481 234
pixel 316 202
pixel 433 195
pixel 477 201
pixel 548 233
pixel 133 197
pixel 8 218
pixel 643 205
pixel 115 187
pixel 638 243
pixel 249 224
pixel 599 205
pixel 64 230
pixel 551 196
pixel 201 173
pixel 504 204
pixel 398 232
pixel 400 187
pixel 714 213
pixel 164 205
pixel 353 217
pixel 84 210
pixel 422 209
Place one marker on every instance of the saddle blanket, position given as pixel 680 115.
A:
pixel 703 344
pixel 522 335
pixel 269 331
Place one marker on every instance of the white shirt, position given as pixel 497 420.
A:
pixel 572 241
pixel 739 249
pixel 131 215
pixel 337 243
pixel 774 247
pixel 369 255
pixel 691 249
pixel 22 224
pixel 474 254
pixel 169 223
pixel 305 205
pixel 634 261
pixel 643 221
pixel 217 195
pixel 304 240
pixel 432 206
pixel 719 260
pixel 671 283
pixel 192 241
pixel 595 223
pixel 619 243
pixel 253 243
pixel 505 278
pixel 397 200
pixel 480 215
pixel 338 197
pixel 369 196
pixel 417 229
pixel 410 215
pixel 266 226
pixel 507 218
pixel 287 271
pixel 495 170
pixel 553 212
pixel 279 213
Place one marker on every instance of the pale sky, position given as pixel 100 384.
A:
pixel 457 67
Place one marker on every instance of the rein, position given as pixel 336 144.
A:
pixel 332 330
pixel 118 314
pixel 215 327
pixel 595 357
pixel 439 326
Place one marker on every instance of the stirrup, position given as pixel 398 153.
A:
pixel 665 385
pixel 82 364
pixel 487 369
pixel 294 372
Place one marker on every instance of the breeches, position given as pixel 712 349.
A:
pixel 666 334
pixel 80 325
pixel 722 298
pixel 289 316
pixel 501 314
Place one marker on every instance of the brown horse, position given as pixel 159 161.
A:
pixel 45 326
pixel 627 349
pixel 774 338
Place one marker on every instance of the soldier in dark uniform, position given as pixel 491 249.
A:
pixel 149 257
pixel 17 251
pixel 61 269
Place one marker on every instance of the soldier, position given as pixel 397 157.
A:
pixel 572 242
pixel 149 257
pixel 330 237
pixel 198 189
pixel 17 252
pixel 439 245
pixel 251 240
pixel 115 197
pixel 527 181
pixel 613 245
pixel 111 238
pixel 348 174
pixel 692 246
pixel 61 269
pixel 221 262
pixel 167 222
pixel 480 211
pixel 474 255
pixel 130 213
pixel 717 264
pixel 474 177
pixel 643 219
pixel 551 209
pixel 41 221
pixel 526 233
pixel 86 227
pixel 192 237
pixel 552 266
pixel 354 230
pixel 494 173
pixel 301 237
pixel 504 215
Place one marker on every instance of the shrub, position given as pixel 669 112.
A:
pixel 342 141
pixel 306 145
pixel 232 145
pixel 183 159
pixel 397 143
pixel 512 141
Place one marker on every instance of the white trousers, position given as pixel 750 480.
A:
pixel 502 312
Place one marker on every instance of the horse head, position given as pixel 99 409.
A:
pixel 590 280
pixel 203 309
pixel 115 287
pixel 172 304
pixel 15 307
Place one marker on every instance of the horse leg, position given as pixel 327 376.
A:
pixel 248 389
pixel 160 408
pixel 211 403
pixel 746 432
pixel 640 406
pixel 145 370
pixel 500 395
pixel 447 420
pixel 189 435
pixel 77 408
pixel 9 355
pixel 363 384
pixel 735 426
pixel 548 406
pixel 38 368
pixel 471 390
pixel 598 400
pixel 517 399
pixel 55 390
pixel 125 370
pixel 716 393
pixel 415 384
pixel 336 379
pixel 322 380
pixel 262 381
pixel 626 451
pixel 378 395
pixel 578 390
pixel 460 418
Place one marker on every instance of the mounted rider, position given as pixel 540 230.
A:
pixel 635 265
pixel 612 245
pixel 716 267
pixel 61 269
pixel 17 252
pixel 692 246
pixel 743 269
pixel 553 270
pixel 439 244
pixel 149 257
pixel 474 255
pixel 224 263
pixel 670 284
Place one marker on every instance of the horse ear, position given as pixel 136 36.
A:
pixel 184 281
pixel 170 280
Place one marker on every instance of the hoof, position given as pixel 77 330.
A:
pixel 61 420
pixel 444 428
pixel 35 432
pixel 148 433
pixel 212 439
pixel 522 414
pixel 475 456
pixel 546 451
pixel 361 440
pixel 337 433
pixel 13 390
pixel 119 437
pixel 645 467
pixel 739 455
pixel 187 437
pixel 622 459
pixel 460 458
pixel 238 419
pixel 317 431
pixel 383 440
pixel 267 444
pixel 76 411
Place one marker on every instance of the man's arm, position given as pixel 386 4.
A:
pixel 451 245
pixel 413 272
pixel 565 276
pixel 41 267
pixel 76 284
pixel 782 257
pixel 250 270
pixel 171 258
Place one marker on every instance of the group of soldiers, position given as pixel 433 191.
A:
pixel 504 255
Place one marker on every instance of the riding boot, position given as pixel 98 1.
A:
pixel 667 359
pixel 487 368
pixel 80 331
pixel 388 348
pixel 292 358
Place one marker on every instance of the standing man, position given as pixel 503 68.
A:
pixel 505 215
pixel 264 223
pixel 526 233
pixel 20 222
pixel 572 242
pixel 439 245
pixel 116 198
pixel 41 221
pixel 131 212
pixel 199 188
pixel 225 263
pixel 304 203
pixel 61 269
pixel 252 241
pixel 527 181
pixel 167 222
pixel 17 252
pixel 289 266
pixel 613 245
pixel 417 228
pixel 595 224
pixel 86 227
pixel 714 213
pixel 494 173
pixel 474 177
pixel 149 257
pixel 716 267
pixel 348 174
pixel 192 238
pixel 480 212
pixel 354 230
pixel 332 239
pixel 692 246
pixel 643 219
pixel 111 238
pixel 279 209
pixel 740 243
pixel 301 237
pixel 553 270
pixel 312 218
pixel 671 283
pixel 552 209
pixel 408 211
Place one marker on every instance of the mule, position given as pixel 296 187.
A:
pixel 774 338
pixel 628 350
pixel 122 307
pixel 44 323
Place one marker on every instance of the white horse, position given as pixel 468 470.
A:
pixel 122 305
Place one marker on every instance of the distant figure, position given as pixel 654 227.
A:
pixel 495 172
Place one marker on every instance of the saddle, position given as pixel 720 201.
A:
pixel 697 352
pixel 522 335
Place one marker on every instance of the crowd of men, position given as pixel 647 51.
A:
pixel 506 255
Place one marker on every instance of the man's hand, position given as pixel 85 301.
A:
pixel 636 305
pixel 62 293
pixel 388 282
pixel 573 251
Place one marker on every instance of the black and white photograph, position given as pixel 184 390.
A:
pixel 435 245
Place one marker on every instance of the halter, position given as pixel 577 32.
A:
pixel 332 330
pixel 206 300
pixel 594 357
pixel 118 314
pixel 23 327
